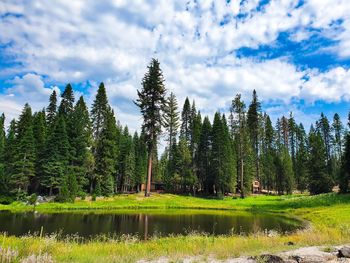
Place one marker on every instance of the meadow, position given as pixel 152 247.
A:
pixel 328 216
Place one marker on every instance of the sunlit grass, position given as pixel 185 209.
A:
pixel 329 216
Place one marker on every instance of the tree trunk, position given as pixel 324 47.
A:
pixel 149 174
pixel 242 183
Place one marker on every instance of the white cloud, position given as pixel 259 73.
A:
pixel 112 41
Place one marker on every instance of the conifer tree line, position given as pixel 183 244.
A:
pixel 227 155
pixel 67 150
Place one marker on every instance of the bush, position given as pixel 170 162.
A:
pixel 6 200
pixel 32 199
pixel 220 196
pixel 82 195
pixel 93 198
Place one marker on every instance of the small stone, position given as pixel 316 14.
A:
pixel 267 258
pixel 344 252
pixel 290 243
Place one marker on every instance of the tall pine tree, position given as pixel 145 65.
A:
pixel 151 100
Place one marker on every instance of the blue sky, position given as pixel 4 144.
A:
pixel 295 53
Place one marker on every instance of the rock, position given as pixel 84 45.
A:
pixel 290 243
pixel 40 199
pixel 267 258
pixel 309 255
pixel 344 252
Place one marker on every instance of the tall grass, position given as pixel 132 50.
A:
pixel 329 216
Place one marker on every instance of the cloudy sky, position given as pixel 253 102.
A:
pixel 295 53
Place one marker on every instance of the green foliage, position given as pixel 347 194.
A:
pixel 140 160
pixel 222 163
pixel 204 157
pixel 69 190
pixel 67 152
pixel 151 101
pixel 24 156
pixel 184 167
pixel 186 114
pixel 285 180
pixel 106 154
pixel 319 179
pixel 52 109
pixel 344 177
pixel 32 199
pixel 171 120
pixel 301 162
pixel 81 142
pixel 3 181
pixel 99 111
pixel 56 157
pixel 253 128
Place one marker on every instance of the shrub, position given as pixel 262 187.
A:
pixel 6 200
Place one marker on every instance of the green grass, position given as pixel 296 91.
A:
pixel 328 214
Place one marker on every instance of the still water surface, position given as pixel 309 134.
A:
pixel 145 224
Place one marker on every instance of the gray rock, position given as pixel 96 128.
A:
pixel 344 252
pixel 267 258
pixel 40 199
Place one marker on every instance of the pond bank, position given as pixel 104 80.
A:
pixel 328 215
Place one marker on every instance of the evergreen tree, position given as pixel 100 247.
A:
pixel 40 137
pixel 81 141
pixel 69 189
pixel 99 111
pixel 186 114
pixel 140 160
pixel 337 146
pixel 52 109
pixel 3 181
pixel 253 125
pixel 284 130
pixel 268 155
pixel 67 103
pixel 171 120
pixel 242 144
pixel 105 135
pixel 319 179
pixel 196 126
pixel 301 162
pixel 9 156
pixel 292 138
pixel 344 176
pixel 151 102
pixel 24 158
pixel 171 177
pixel 338 130
pixel 106 155
pixel 286 171
pixel 324 128
pixel 228 181
pixel 57 157
pixel 126 161
pixel 195 129
pixel 130 178
pixel 204 158
pixel 184 167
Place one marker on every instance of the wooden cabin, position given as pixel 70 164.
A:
pixel 155 187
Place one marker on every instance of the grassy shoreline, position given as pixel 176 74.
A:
pixel 329 216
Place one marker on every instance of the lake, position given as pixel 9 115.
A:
pixel 145 224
